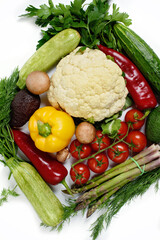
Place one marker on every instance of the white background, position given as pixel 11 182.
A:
pixel 138 220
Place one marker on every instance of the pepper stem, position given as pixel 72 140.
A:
pixel 66 186
pixel 44 129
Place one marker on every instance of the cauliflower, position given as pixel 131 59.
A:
pixel 88 85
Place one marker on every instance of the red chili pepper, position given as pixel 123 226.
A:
pixel 137 85
pixel 52 171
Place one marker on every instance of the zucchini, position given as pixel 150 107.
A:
pixel 49 54
pixel 140 53
pixel 40 195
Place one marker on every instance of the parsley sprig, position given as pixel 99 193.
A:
pixel 93 21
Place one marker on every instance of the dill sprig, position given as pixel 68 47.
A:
pixel 123 196
pixel 112 205
pixel 8 89
pixel 8 148
pixel 6 193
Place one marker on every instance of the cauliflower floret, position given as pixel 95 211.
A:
pixel 88 85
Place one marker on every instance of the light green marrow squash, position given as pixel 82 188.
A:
pixel 49 54
pixel 40 195
pixel 140 53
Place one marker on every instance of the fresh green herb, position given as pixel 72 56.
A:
pixel 6 193
pixel 111 200
pixel 8 89
pixel 8 149
pixel 128 102
pixel 124 195
pixel 94 21
pixel 111 125
pixel 111 128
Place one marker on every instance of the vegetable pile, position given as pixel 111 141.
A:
pixel 111 155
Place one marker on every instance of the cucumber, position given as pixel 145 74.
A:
pixel 152 130
pixel 44 201
pixel 49 54
pixel 140 53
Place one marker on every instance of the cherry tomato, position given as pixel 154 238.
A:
pixel 80 173
pixel 137 140
pixel 132 117
pixel 123 130
pixel 119 152
pixel 99 163
pixel 100 142
pixel 79 150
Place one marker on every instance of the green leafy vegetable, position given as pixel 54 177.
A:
pixel 111 128
pixel 128 103
pixel 94 21
pixel 111 206
pixel 8 90
pixel 8 149
pixel 111 125
pixel 6 193
pixel 124 195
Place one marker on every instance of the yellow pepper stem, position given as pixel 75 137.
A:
pixel 44 129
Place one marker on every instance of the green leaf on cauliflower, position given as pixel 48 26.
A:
pixel 111 128
pixel 128 103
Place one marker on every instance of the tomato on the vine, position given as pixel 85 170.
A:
pixel 137 141
pixel 99 163
pixel 80 173
pixel 100 142
pixel 122 132
pixel 133 117
pixel 79 150
pixel 119 152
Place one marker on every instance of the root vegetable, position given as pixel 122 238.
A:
pixel 23 106
pixel 85 132
pixel 38 82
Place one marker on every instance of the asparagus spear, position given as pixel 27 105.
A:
pixel 112 182
pixel 107 193
pixel 142 158
pixel 94 207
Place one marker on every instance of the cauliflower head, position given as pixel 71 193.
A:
pixel 88 85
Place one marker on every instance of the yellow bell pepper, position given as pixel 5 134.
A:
pixel 51 129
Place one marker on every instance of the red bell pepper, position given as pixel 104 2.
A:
pixel 52 171
pixel 137 85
